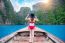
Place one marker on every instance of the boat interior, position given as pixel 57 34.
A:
pixel 24 37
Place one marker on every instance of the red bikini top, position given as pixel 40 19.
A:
pixel 31 22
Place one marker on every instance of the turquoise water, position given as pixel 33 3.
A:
pixel 57 30
pixel 6 30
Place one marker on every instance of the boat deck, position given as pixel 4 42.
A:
pixel 23 37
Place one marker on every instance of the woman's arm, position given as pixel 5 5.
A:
pixel 27 17
pixel 36 18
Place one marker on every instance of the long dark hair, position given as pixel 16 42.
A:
pixel 32 16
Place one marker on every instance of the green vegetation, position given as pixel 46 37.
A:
pixel 54 16
pixel 9 16
pixel 22 14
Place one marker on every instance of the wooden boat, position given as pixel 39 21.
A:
pixel 23 36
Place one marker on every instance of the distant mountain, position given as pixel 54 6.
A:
pixel 22 14
pixel 2 12
pixel 39 6
pixel 24 11
pixel 6 12
pixel 51 13
pixel 42 6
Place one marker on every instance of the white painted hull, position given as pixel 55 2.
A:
pixel 15 38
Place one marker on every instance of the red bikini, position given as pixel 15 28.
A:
pixel 31 25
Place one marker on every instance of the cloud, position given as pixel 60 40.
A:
pixel 17 4
pixel 17 7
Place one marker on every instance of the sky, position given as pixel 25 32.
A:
pixel 17 4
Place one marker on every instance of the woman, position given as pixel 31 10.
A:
pixel 31 19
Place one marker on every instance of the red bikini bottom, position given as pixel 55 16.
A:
pixel 31 27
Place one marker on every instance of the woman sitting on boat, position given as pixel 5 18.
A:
pixel 31 19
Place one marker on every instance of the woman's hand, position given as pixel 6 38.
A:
pixel 36 18
pixel 27 17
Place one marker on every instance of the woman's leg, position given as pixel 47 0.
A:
pixel 31 36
